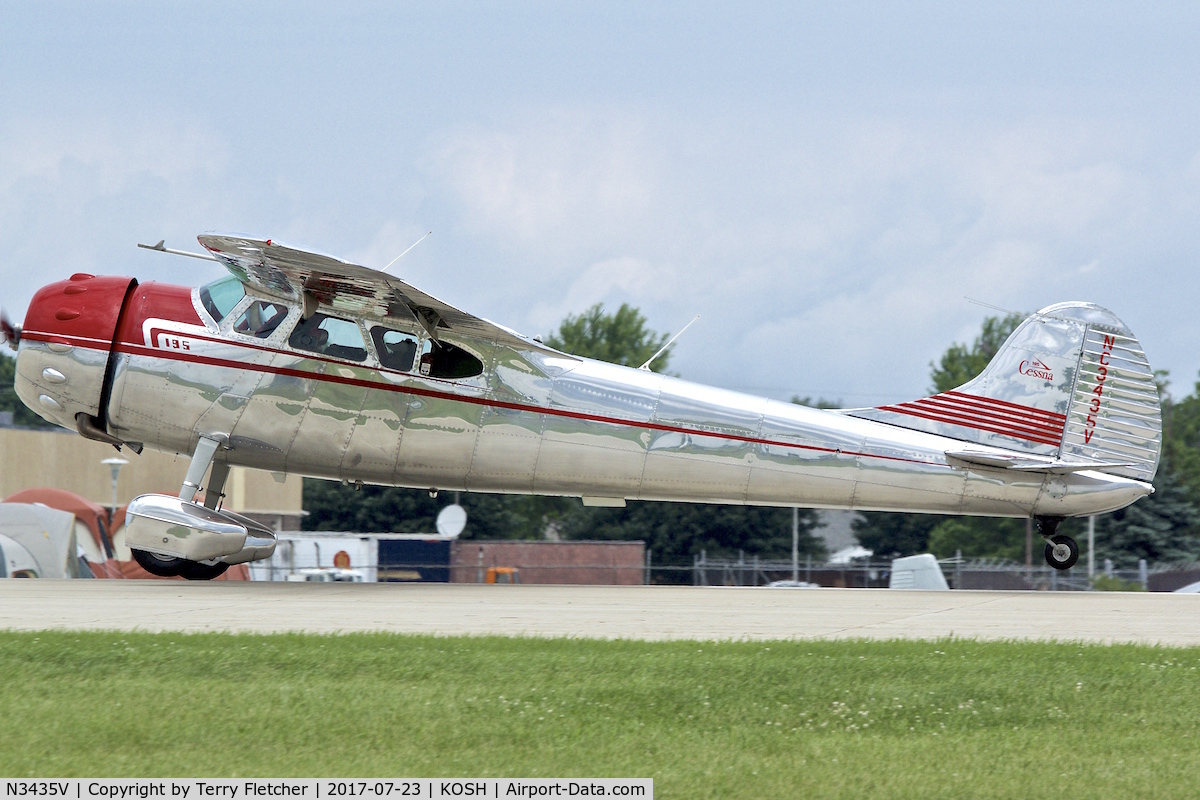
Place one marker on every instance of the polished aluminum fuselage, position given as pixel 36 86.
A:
pixel 533 422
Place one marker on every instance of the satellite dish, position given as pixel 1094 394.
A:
pixel 451 521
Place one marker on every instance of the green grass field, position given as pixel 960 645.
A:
pixel 780 719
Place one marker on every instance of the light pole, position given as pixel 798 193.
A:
pixel 795 544
pixel 1091 548
pixel 114 464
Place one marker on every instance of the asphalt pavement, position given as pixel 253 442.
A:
pixel 610 612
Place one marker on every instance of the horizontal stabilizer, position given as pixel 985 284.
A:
pixel 1023 463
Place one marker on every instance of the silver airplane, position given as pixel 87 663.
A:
pixel 301 363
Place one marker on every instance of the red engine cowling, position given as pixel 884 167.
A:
pixel 66 343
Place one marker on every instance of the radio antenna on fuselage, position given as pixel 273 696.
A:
pixel 402 255
pixel 994 308
pixel 670 341
pixel 160 247
pixel 583 336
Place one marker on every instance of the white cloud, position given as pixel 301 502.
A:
pixel 582 172
pixel 611 281
pixel 78 193
pixel 825 254
pixel 391 240
pixel 49 151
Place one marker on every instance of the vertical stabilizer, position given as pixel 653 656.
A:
pixel 1071 383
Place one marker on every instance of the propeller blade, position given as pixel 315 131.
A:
pixel 10 332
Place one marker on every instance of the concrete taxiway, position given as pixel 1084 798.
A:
pixel 631 612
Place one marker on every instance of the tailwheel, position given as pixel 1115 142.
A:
pixel 162 566
pixel 1061 552
pixel 199 571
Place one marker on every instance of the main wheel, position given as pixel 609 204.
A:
pixel 162 566
pixel 195 571
pixel 1062 552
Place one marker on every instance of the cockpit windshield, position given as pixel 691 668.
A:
pixel 220 296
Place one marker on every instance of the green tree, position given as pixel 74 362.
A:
pixel 332 506
pixel 820 402
pixel 961 363
pixel 1161 527
pixel 618 338
pixel 890 534
pixel 980 537
pixel 8 396
pixel 1181 440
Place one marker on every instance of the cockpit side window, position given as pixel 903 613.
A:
pixel 445 360
pixel 339 338
pixel 261 318
pixel 396 350
pixel 220 296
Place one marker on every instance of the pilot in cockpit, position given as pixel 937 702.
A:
pixel 331 336
pixel 261 319
pixel 310 336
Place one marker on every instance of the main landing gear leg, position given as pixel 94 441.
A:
pixel 1061 551
pixel 206 448
pixel 216 484
pixel 167 566
pixel 213 492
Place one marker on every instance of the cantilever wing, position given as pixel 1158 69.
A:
pixel 318 280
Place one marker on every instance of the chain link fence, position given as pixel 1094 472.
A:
pixel 960 573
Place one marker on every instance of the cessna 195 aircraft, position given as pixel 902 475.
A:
pixel 297 362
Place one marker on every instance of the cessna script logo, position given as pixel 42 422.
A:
pixel 1036 368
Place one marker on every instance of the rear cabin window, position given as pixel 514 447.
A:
pixel 396 350
pixel 338 338
pixel 260 318
pixel 444 360
pixel 220 296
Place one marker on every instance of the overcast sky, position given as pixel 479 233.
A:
pixel 824 184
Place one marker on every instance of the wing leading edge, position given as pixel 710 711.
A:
pixel 318 280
